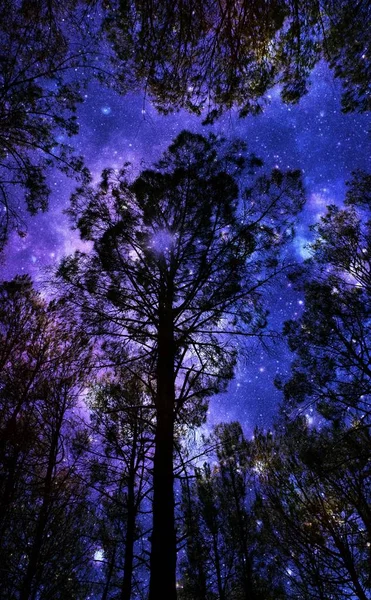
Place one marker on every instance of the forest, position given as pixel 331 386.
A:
pixel 112 486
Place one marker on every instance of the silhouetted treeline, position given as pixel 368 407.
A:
pixel 99 497
pixel 285 514
pixel 45 512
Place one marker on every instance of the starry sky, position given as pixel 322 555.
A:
pixel 313 136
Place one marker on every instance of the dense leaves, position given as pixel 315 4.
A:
pixel 40 62
pixel 210 56
pixel 221 558
pixel 206 57
pixel 285 515
pixel 312 510
pixel 44 510
pixel 332 338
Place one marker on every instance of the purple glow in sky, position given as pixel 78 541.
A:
pixel 313 136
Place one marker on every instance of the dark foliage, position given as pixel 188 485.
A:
pixel 332 339
pixel 179 258
pixel 40 74
pixel 211 56
pixel 44 509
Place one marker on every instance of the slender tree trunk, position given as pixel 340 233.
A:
pixel 349 565
pixel 41 523
pixel 34 554
pixel 9 435
pixel 131 521
pixel 218 570
pixel 195 557
pixel 109 576
pixel 163 548
pixel 8 494
pixel 245 563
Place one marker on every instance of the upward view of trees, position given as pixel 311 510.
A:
pixel 178 262
pixel 41 58
pixel 206 57
pixel 284 515
pixel 102 495
pixel 210 56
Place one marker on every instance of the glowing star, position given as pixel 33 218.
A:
pixel 99 555
pixel 310 419
pixel 106 110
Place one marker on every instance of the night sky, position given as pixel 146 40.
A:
pixel 313 136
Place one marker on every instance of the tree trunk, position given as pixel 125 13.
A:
pixel 111 566
pixel 131 521
pixel 218 570
pixel 8 494
pixel 244 555
pixel 41 523
pixel 163 548
pixel 33 562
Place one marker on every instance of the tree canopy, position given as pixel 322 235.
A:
pixel 332 338
pixel 179 258
pixel 205 57
pixel 40 73
pixel 100 497
pixel 211 56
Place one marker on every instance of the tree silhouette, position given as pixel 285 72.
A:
pixel 224 553
pixel 44 507
pixel 179 258
pixel 332 338
pixel 331 372
pixel 314 532
pixel 194 566
pixel 40 90
pixel 121 422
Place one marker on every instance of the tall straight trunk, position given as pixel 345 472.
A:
pixel 245 563
pixel 163 549
pixel 131 521
pixel 218 570
pixel 8 494
pixel 9 436
pixel 41 523
pixel 194 552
